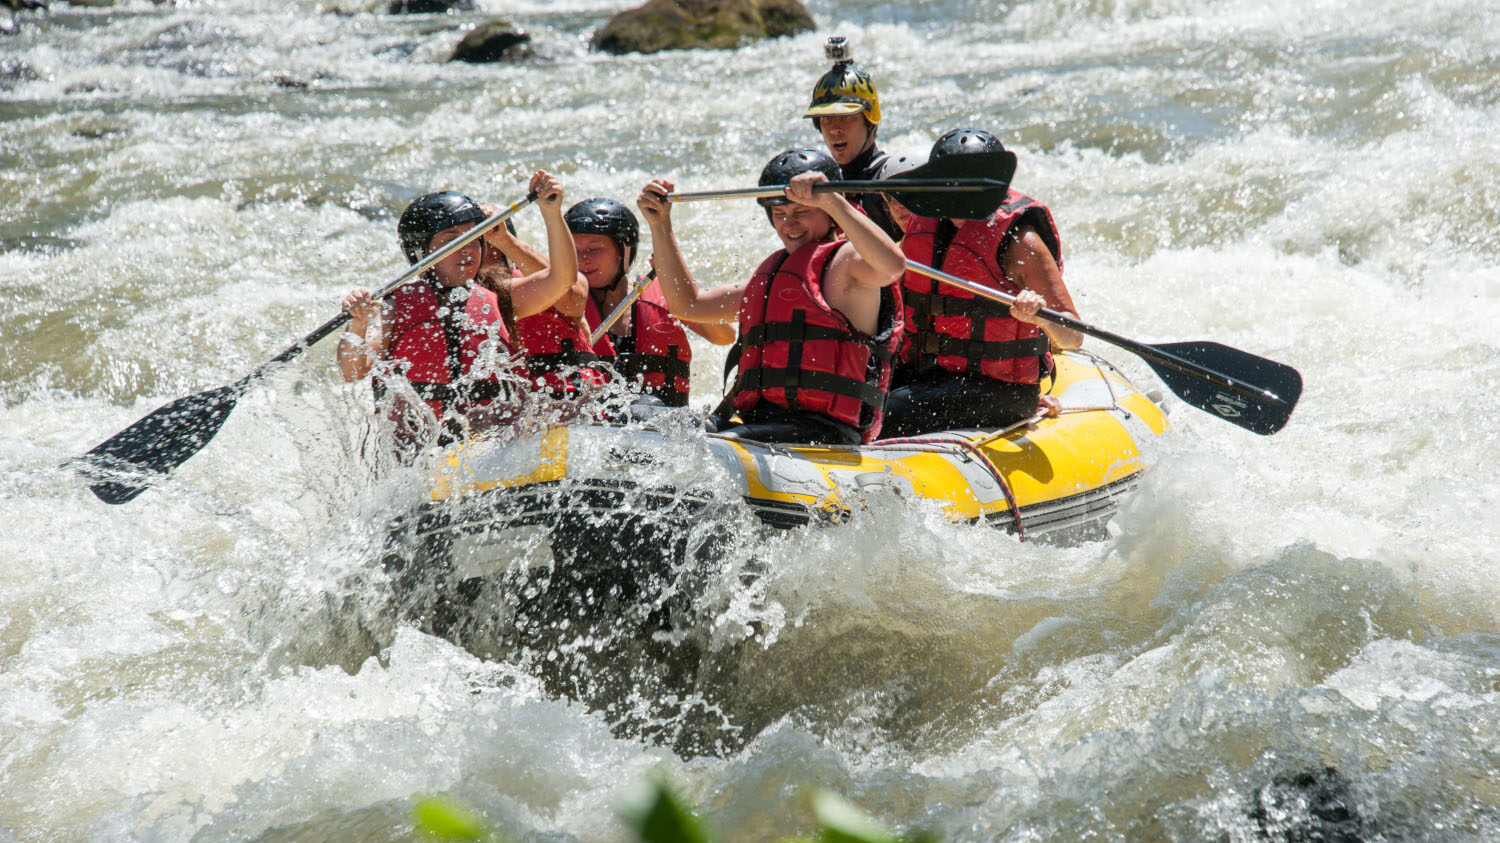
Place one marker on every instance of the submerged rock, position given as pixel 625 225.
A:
pixel 14 71
pixel 9 26
pixel 496 40
pixel 686 24
pixel 428 7
pixel 191 47
pixel 1313 805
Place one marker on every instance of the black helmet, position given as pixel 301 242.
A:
pixel 431 213
pixel 795 162
pixel 965 142
pixel 610 218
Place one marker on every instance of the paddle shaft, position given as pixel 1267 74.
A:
pixel 168 436
pixel 953 185
pixel 636 290
pixel 968 187
pixel 1147 352
pixel 416 269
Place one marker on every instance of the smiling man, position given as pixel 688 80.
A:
pixel 845 108
pixel 819 320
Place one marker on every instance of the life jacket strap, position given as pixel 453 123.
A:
pixel 465 393
pixel 570 356
pixel 795 332
pixel 939 345
pixel 792 379
pixel 937 304
pixel 638 365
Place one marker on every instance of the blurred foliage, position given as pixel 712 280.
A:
pixel 658 815
pixel 445 818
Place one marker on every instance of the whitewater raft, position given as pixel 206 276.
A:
pixel 610 491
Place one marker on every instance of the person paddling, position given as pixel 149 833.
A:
pixel 969 362
pixel 819 320
pixel 439 326
pixel 555 340
pixel 845 109
pixel 646 345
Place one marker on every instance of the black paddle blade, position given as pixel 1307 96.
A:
pixel 128 463
pixel 1268 390
pixel 999 166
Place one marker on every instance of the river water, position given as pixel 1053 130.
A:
pixel 1282 637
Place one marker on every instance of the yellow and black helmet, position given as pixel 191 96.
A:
pixel 844 89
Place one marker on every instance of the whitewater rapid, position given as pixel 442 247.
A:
pixel 1282 634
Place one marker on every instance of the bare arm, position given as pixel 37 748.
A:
pixel 559 278
pixel 1029 264
pixel 526 258
pixel 877 261
pixel 717 333
pixel 575 302
pixel 364 342
pixel 685 298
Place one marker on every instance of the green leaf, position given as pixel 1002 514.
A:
pixel 659 816
pixel 843 823
pixel 444 818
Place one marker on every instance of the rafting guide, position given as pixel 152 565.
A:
pixel 845 109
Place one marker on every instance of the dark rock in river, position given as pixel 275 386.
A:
pixel 428 7
pixel 686 24
pixel 496 40
pixel 1313 805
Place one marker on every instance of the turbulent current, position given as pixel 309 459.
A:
pixel 1292 637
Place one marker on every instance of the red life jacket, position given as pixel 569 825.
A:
pixel 952 328
pixel 656 355
pixel 438 344
pixel 557 351
pixel 797 352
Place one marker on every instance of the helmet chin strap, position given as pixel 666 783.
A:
pixel 621 274
pixel 599 294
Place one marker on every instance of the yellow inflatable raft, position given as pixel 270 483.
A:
pixel 1060 477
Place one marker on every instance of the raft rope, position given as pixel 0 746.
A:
pixel 1114 405
pixel 952 446
pixel 971 450
pixel 1099 364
